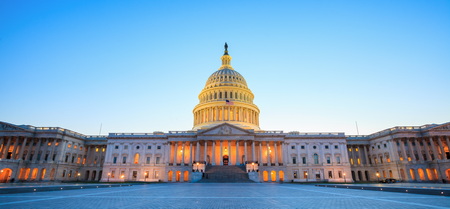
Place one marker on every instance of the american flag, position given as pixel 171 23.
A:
pixel 229 102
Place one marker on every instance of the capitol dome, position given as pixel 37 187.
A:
pixel 226 98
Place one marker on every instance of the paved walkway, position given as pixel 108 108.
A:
pixel 216 195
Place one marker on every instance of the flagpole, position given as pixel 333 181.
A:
pixel 357 131
pixel 100 132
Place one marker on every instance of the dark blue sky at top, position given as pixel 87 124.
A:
pixel 138 66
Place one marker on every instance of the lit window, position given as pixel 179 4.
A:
pixel 356 149
pixel 69 145
pixel 103 149
pixel 96 149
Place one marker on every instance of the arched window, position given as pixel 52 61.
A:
pixel 316 159
pixel 136 158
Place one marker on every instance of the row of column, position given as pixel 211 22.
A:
pixel 15 148
pixel 226 113
pixel 433 148
pixel 184 153
pixel 358 153
pixel 225 95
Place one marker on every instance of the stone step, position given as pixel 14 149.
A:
pixel 225 174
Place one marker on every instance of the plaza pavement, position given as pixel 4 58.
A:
pixel 222 195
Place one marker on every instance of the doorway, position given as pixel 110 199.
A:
pixel 225 160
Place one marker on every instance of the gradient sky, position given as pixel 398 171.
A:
pixel 138 66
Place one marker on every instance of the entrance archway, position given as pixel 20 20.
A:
pixel 281 176
pixel 5 175
pixel 178 176
pixel 169 176
pixel 186 176
pixel 225 160
pixel 273 176
pixel 265 176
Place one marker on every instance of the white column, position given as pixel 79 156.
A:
pixel 36 152
pixel 297 148
pixel 206 150
pixel 427 150
pixel 260 154
pixel 441 147
pixel 183 155
pixel 197 152
pixel 238 158
pixel 276 153
pixel 16 144
pixel 6 148
pixel 411 151
pixel 402 147
pixel 221 153
pixel 245 152
pixel 22 148
pixel 253 152
pixel 268 154
pixel 230 162
pixel 366 155
pixel 419 149
pixel 433 148
pixel 175 154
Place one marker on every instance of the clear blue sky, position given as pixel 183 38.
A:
pixel 138 66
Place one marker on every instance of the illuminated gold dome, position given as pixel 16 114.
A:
pixel 226 99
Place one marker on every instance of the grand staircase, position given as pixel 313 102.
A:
pixel 225 174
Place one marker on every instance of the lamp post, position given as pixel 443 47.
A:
pixel 306 176
pixel 378 176
pixel 345 180
pixel 253 167
pixel 109 174
pixel 122 177
pixel 78 176
pixel 145 177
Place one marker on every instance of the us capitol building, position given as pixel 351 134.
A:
pixel 225 145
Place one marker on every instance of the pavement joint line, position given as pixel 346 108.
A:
pixel 370 198
pixel 81 195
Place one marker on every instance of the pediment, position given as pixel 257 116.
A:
pixel 443 127
pixel 225 129
pixel 9 127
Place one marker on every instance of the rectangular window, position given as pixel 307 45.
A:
pixel 304 160
pixel 340 174
pixel 326 147
pixel 148 160
pixel 149 147
pixel 124 160
pixel 328 160
pixel 113 174
pixel 384 145
pixel 302 147
pixel 114 160
pixel 336 147
pixel 330 174
pixel 158 159
pixel 338 160
pixel 158 147
pixel 125 147
pixel 295 174
pixel 116 147
pixel 294 160
pixel 305 174
pixel 292 147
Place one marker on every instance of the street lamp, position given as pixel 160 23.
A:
pixel 378 176
pixel 306 176
pixel 345 180
pixel 109 174
pixel 145 177
pixel 253 167
pixel 78 176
